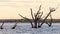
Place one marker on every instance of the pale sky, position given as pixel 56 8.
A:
pixel 9 9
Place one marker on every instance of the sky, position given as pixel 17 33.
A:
pixel 9 9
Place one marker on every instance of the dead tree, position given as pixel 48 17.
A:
pixel 37 17
pixel 1 27
pixel 14 26
pixel 51 10
pixel 34 17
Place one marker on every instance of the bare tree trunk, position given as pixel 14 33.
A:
pixel 32 18
pixel 14 26
pixel 32 24
pixel 50 24
pixel 35 24
pixel 50 21
pixel 39 24
pixel 1 27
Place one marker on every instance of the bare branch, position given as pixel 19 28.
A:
pixel 27 19
pixel 39 8
pixel 49 24
pixel 41 14
pixel 24 17
pixel 38 11
pixel 51 17
pixel 32 14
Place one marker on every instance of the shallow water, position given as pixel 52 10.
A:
pixel 25 28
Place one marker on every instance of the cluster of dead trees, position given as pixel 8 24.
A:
pixel 37 18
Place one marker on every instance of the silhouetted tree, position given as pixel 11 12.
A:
pixel 35 17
